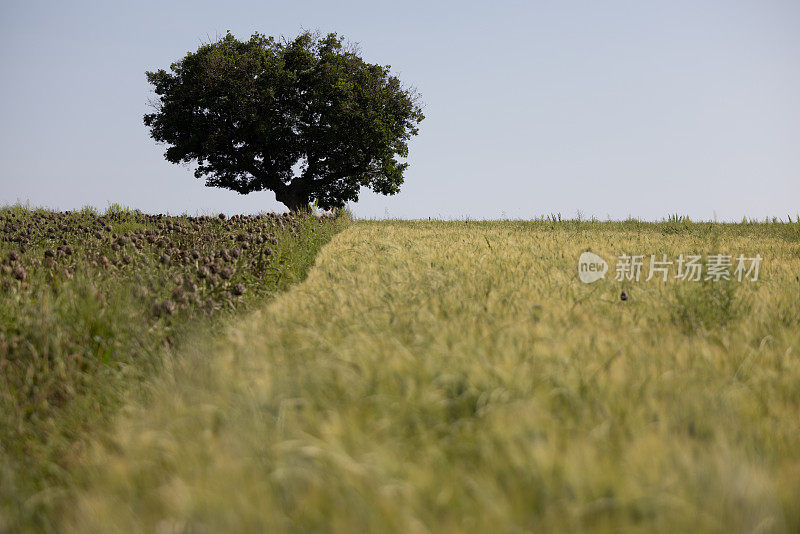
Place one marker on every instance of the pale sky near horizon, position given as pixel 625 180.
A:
pixel 613 109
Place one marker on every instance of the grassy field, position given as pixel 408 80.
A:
pixel 458 377
pixel 89 305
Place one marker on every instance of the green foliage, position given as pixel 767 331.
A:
pixel 250 112
pixel 707 305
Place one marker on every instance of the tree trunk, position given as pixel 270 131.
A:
pixel 293 198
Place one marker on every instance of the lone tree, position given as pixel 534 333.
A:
pixel 306 118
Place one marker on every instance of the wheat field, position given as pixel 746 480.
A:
pixel 458 377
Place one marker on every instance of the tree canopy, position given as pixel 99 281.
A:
pixel 306 118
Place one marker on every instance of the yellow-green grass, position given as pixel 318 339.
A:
pixel 88 305
pixel 458 377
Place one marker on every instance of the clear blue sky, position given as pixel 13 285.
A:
pixel 611 108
